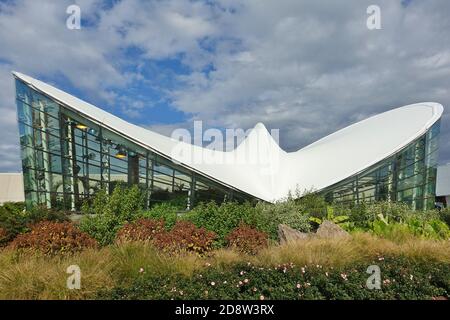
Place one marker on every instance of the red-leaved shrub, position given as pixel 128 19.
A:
pixel 247 239
pixel 185 237
pixel 54 238
pixel 140 230
pixel 3 237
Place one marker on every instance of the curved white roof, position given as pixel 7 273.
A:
pixel 258 166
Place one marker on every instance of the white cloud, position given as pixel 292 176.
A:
pixel 306 67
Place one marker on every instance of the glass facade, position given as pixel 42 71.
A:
pixel 66 158
pixel 408 176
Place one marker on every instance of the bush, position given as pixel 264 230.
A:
pixel 401 278
pixel 110 212
pixel 141 230
pixel 15 220
pixel 3 237
pixel 289 212
pixel 164 211
pixel 247 240
pixel 54 238
pixel 124 201
pixel 223 218
pixel 185 237
pixel 444 215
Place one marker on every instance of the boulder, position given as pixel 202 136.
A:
pixel 287 234
pixel 328 229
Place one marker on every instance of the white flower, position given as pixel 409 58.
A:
pixel 141 270
pixel 246 281
pixel 261 297
pixel 299 285
pixel 213 283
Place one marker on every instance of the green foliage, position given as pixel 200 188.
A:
pixel 222 219
pixel 401 278
pixel 165 211
pixel 289 212
pixel 444 215
pixel 341 220
pixel 15 220
pixel 108 213
pixel 123 201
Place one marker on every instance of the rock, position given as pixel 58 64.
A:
pixel 328 229
pixel 286 234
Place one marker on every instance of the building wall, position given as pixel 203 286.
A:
pixel 11 187
pixel 408 176
pixel 66 158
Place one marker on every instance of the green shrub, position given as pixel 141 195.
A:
pixel 54 238
pixel 247 239
pixel 289 212
pixel 140 230
pixel 108 213
pixel 444 215
pixel 126 202
pixel 165 211
pixel 15 220
pixel 401 278
pixel 222 219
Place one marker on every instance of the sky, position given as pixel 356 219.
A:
pixel 307 68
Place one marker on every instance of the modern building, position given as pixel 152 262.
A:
pixel 70 149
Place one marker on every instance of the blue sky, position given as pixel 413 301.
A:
pixel 307 68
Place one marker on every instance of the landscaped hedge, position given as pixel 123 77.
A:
pixel 54 238
pixel 15 220
pixel 247 239
pixel 401 278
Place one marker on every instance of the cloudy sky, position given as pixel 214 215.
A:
pixel 305 67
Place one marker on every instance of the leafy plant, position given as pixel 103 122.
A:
pixel 222 219
pixel 54 238
pixel 401 278
pixel 108 213
pixel 330 216
pixel 140 230
pixel 185 237
pixel 15 220
pixel 165 211
pixel 247 239
pixel 289 212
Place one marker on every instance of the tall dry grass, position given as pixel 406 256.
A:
pixel 33 276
